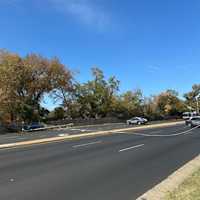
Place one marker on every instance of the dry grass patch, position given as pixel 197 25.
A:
pixel 188 190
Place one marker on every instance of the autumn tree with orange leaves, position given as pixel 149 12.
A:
pixel 25 80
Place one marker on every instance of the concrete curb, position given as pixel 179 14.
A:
pixel 172 182
pixel 98 133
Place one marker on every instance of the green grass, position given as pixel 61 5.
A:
pixel 188 190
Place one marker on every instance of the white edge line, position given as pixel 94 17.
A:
pixel 187 132
pixel 86 144
pixel 133 147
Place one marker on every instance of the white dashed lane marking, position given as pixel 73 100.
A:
pixel 133 147
pixel 63 134
pixel 86 144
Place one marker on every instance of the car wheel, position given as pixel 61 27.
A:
pixel 139 123
pixel 190 125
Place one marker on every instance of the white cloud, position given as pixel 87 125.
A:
pixel 85 11
pixel 153 68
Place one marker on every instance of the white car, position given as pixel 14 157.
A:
pixel 193 121
pixel 188 115
pixel 137 120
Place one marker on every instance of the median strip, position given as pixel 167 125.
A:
pixel 77 136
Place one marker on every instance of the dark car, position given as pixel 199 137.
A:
pixel 33 126
pixel 137 120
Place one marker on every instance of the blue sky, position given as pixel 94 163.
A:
pixel 153 45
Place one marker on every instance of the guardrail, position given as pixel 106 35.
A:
pixel 49 128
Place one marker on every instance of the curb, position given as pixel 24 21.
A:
pixel 98 133
pixel 172 182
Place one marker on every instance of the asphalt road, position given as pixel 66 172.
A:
pixel 16 137
pixel 121 166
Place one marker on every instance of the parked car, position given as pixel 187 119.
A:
pixel 33 126
pixel 188 115
pixel 193 121
pixel 137 120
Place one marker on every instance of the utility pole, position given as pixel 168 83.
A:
pixel 197 103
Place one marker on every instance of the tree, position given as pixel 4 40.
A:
pixel 168 104
pixel 24 81
pixel 130 103
pixel 150 108
pixel 59 113
pixel 192 97
pixel 94 98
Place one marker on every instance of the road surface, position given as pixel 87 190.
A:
pixel 16 137
pixel 121 166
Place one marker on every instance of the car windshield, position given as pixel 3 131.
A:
pixel 196 118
